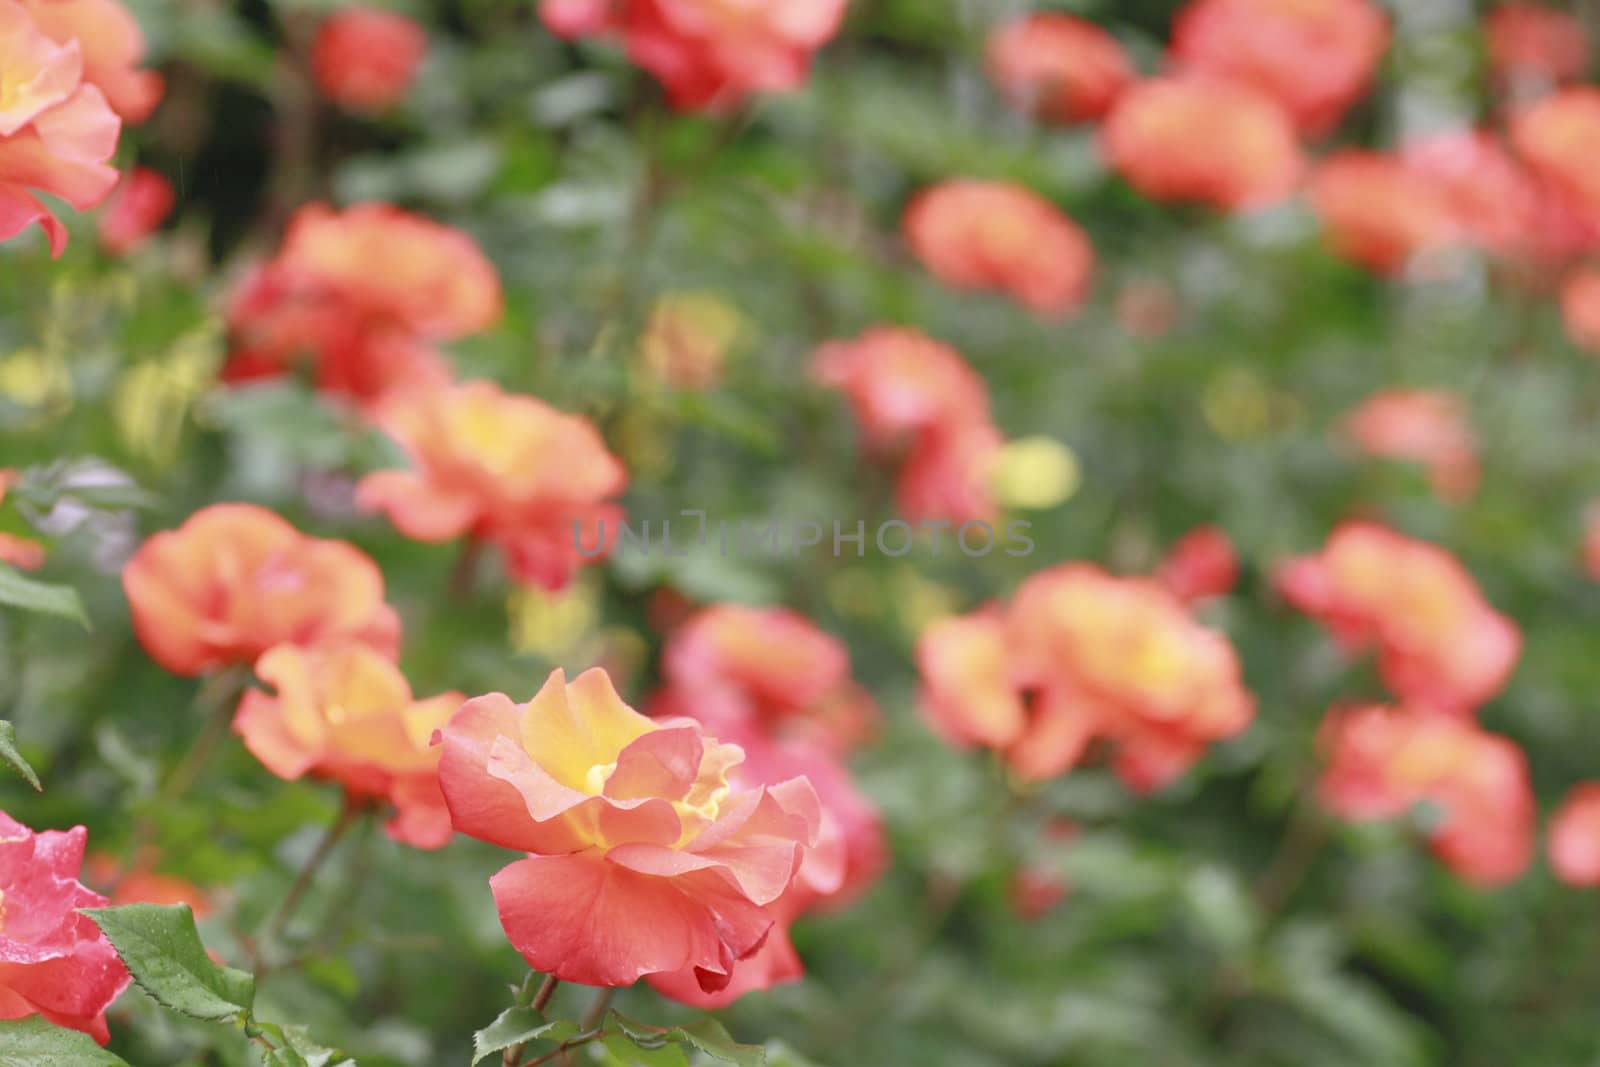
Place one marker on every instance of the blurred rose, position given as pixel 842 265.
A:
pixel 901 382
pixel 1382 762
pixel 1573 842
pixel 687 339
pixel 643 859
pixel 1580 308
pixel 771 670
pixel 1379 212
pixel 363 295
pixel 1147 307
pixel 1200 566
pixel 1556 138
pixel 136 208
pixel 1426 426
pixel 112 46
pixel 709 54
pixel 1205 141
pixel 1003 237
pixel 1080 655
pixel 1315 57
pixel 365 59
pixel 1038 888
pixel 503 469
pixel 1535 45
pixel 139 884
pixel 56 962
pixel 1440 644
pixel 1060 68
pixel 56 132
pixel 346 714
pixel 1491 199
pixel 234 580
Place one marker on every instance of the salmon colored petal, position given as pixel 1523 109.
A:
pixel 417 508
pixel 485 804
pixel 586 920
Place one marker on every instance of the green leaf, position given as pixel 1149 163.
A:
pixel 294 1047
pixel 13 759
pixel 32 1042
pixel 712 1038
pixel 29 595
pixel 162 949
pixel 517 1026
pixel 627 1050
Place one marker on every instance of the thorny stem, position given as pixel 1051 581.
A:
pixel 1298 850
pixel 348 817
pixel 464 576
pixel 216 699
pixel 566 1047
pixel 529 998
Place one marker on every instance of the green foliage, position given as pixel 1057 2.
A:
pixel 13 758
pixel 32 1042
pixel 21 592
pixel 163 952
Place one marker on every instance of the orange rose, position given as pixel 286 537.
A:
pixel 1315 57
pixel 1440 644
pixel 1556 138
pixel 137 207
pixel 642 859
pixel 346 714
pixel 112 46
pixel 771 670
pixel 1379 212
pixel 1000 236
pixel 1381 762
pixel 365 58
pixel 505 469
pixel 1205 141
pixel 1060 68
pixel 139 884
pixel 363 294
pixel 1580 309
pixel 901 382
pixel 56 132
pixel 1573 843
pixel 235 580
pixel 1494 202
pixel 1078 656
pixel 911 391
pixel 56 962
pixel 1426 426
pixel 709 54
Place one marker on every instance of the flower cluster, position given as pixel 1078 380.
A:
pixel 54 962
pixel 709 54
pixel 1080 656
pixel 916 398
pixel 237 585
pixel 363 296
